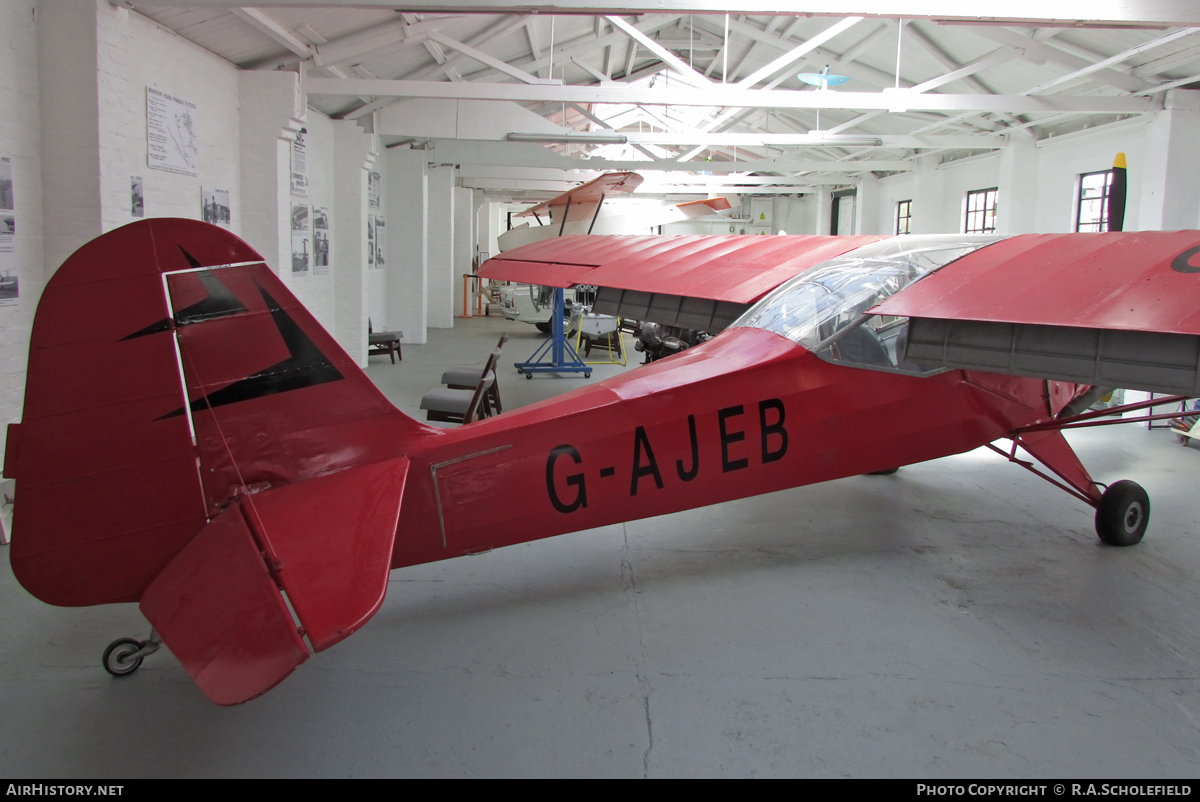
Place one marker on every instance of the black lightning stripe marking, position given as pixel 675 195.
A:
pixel 191 260
pixel 306 366
pixel 219 303
pixel 153 328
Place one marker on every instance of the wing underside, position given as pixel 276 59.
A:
pixel 1113 310
pixel 699 282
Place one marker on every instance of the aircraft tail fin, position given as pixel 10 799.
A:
pixel 170 373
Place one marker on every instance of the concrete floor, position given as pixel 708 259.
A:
pixel 958 618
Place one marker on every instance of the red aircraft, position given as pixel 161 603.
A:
pixel 195 442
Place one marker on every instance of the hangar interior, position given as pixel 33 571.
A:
pixel 957 618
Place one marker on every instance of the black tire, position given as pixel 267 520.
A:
pixel 116 656
pixel 587 375
pixel 544 327
pixel 1123 514
pixel 884 472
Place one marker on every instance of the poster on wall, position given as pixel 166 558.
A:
pixel 172 141
pixel 380 241
pixel 214 207
pixel 320 240
pixel 137 197
pixel 300 164
pixel 301 250
pixel 10 288
pixel 373 190
pixel 370 239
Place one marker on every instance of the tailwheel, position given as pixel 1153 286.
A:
pixel 124 655
pixel 119 657
pixel 1122 514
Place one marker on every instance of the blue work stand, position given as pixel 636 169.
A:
pixel 556 355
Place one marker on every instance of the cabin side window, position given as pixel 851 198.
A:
pixel 826 309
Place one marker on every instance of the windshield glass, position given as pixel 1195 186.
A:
pixel 827 299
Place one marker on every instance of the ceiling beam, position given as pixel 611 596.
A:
pixel 1163 64
pixel 730 96
pixel 263 22
pixel 669 58
pixel 1117 59
pixel 488 60
pixel 1013 12
pixel 859 72
pixel 797 53
pixel 1040 51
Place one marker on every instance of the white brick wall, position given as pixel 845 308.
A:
pixel 133 52
pixel 355 154
pixel 316 292
pixel 20 137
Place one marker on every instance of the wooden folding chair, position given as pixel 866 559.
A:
pixel 384 342
pixel 461 404
pixel 467 378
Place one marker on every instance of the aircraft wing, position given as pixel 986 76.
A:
pixel 1119 309
pixel 696 282
pixel 591 192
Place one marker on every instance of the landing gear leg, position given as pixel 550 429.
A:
pixel 1122 511
pixel 124 655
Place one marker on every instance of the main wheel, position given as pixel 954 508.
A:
pixel 116 657
pixel 544 326
pixel 1123 514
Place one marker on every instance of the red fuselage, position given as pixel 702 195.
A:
pixel 749 412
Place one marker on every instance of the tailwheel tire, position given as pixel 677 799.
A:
pixel 117 657
pixel 1123 514
pixel 884 472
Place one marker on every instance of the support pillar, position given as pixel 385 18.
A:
pixel 932 212
pixel 824 199
pixel 406 273
pixel 266 150
pixel 464 241
pixel 70 129
pixel 1170 196
pixel 442 300
pixel 354 157
pixel 1016 207
pixel 866 207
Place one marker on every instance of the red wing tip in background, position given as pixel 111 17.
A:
pixel 590 192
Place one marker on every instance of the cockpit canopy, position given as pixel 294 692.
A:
pixel 825 308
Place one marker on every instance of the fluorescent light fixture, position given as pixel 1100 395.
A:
pixel 817 138
pixel 582 139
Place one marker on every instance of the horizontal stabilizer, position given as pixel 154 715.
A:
pixel 218 610
pixel 333 537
